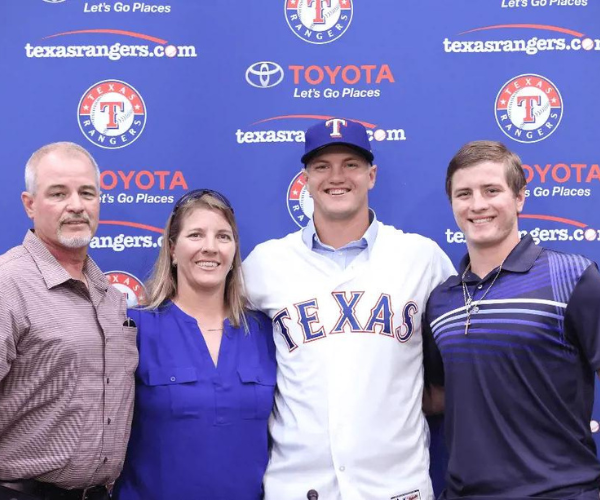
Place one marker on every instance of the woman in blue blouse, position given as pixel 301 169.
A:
pixel 206 376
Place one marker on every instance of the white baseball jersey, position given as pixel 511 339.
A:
pixel 348 420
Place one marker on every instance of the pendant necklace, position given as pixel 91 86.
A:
pixel 470 306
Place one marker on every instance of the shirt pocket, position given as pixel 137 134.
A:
pixel 258 389
pixel 180 385
pixel 128 341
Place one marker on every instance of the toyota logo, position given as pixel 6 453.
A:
pixel 264 74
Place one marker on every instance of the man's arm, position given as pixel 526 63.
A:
pixel 8 334
pixel 433 393
pixel 433 400
pixel 582 316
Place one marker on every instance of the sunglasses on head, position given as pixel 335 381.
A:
pixel 196 194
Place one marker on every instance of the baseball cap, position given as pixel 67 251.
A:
pixel 336 131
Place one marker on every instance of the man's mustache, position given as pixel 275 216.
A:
pixel 69 220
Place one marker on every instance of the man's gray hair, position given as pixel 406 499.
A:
pixel 66 148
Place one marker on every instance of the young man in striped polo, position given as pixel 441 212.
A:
pixel 514 341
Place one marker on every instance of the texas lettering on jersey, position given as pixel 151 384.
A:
pixel 380 320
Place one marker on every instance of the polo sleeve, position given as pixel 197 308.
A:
pixel 432 358
pixel 582 316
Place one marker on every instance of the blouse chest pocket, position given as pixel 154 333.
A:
pixel 176 390
pixel 258 389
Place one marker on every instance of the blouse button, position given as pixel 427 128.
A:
pixel 173 379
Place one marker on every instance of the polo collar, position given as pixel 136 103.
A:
pixel 519 260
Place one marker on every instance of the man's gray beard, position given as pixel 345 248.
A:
pixel 75 241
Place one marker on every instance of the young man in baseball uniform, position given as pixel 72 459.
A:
pixel 515 339
pixel 345 295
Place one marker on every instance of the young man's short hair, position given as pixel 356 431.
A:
pixel 476 152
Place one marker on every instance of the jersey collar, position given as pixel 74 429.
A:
pixel 312 241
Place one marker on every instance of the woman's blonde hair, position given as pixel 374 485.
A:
pixel 162 284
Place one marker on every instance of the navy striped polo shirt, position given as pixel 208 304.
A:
pixel 520 385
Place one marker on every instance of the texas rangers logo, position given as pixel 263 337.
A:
pixel 128 285
pixel 528 108
pixel 318 21
pixel 112 114
pixel 336 124
pixel 300 203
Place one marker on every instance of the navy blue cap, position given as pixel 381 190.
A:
pixel 336 131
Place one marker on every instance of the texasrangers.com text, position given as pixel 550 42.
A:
pixel 530 46
pixel 120 242
pixel 114 52
pixel 540 235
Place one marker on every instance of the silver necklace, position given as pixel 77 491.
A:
pixel 470 306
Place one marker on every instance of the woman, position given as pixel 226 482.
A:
pixel 205 382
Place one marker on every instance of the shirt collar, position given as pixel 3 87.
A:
pixel 311 238
pixel 519 260
pixel 53 273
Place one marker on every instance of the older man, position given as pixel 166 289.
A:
pixel 67 359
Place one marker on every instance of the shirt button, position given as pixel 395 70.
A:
pixel 108 380
pixel 480 287
pixel 105 459
pixel 220 420
pixel 342 468
pixel 108 421
pixel 173 379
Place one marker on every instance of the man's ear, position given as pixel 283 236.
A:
pixel 520 201
pixel 28 202
pixel 372 176
pixel 305 178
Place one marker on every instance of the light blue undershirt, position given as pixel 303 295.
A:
pixel 342 256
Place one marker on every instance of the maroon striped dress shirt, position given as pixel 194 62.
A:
pixel 67 368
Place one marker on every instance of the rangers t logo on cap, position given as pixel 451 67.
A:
pixel 335 124
pixel 337 131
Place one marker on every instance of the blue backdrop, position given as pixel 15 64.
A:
pixel 171 95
